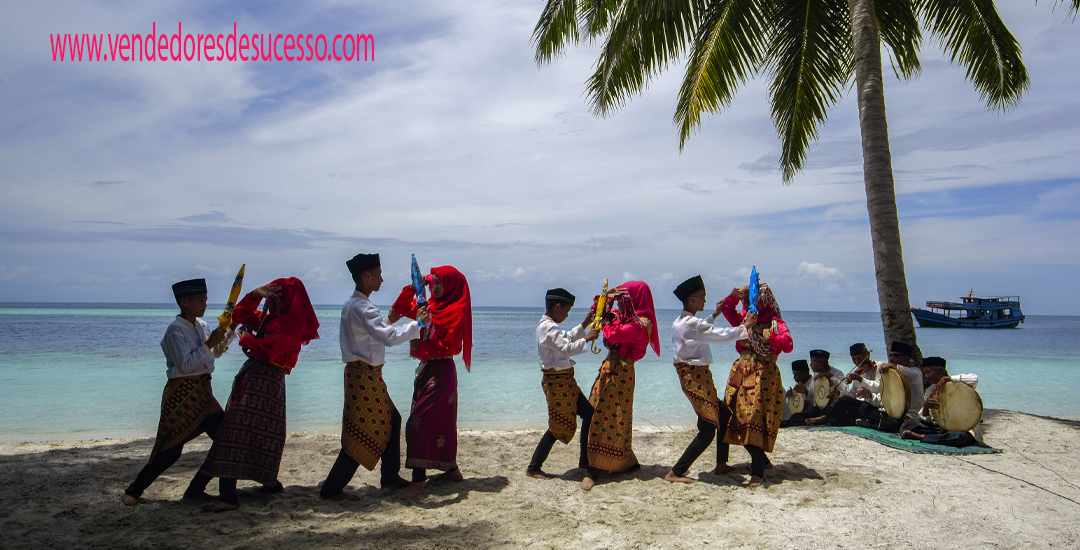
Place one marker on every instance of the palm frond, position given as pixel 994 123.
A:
pixel 557 27
pixel 812 61
pixel 972 33
pixel 645 36
pixel 596 15
pixel 728 47
pixel 898 28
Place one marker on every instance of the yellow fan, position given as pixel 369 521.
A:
pixel 596 322
pixel 225 319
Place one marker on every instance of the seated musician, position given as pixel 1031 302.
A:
pixel 800 370
pixel 868 414
pixel 864 386
pixel 923 426
pixel 824 373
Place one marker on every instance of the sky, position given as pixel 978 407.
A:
pixel 119 178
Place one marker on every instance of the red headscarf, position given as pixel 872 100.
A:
pixel 289 324
pixel 452 312
pixel 642 303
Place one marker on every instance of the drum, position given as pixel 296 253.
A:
pixel 959 408
pixel 895 395
pixel 796 402
pixel 822 387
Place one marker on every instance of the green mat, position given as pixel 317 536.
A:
pixel 896 442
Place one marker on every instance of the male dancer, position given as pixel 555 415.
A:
pixel 188 407
pixel 564 398
pixel 693 356
pixel 370 424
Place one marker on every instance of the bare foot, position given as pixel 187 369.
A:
pixel 414 490
pixel 721 469
pixel 537 474
pixel 219 506
pixel 677 479
pixel 342 497
pixel 452 475
pixel 908 434
pixel 769 465
pixel 755 482
pixel 129 500
pixel 587 484
pixel 816 421
pixel 200 495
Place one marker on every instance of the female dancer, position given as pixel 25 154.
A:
pixel 252 435
pixel 431 432
pixel 628 333
pixel 755 394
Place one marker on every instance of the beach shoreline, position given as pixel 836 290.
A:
pixel 828 489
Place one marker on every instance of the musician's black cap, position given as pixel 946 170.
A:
pixel 188 288
pixel 800 365
pixel 688 287
pixel 933 362
pixel 559 295
pixel 819 354
pixel 363 262
pixel 859 348
pixel 902 348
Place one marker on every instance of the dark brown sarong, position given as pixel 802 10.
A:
pixel 366 421
pixel 697 384
pixel 561 390
pixel 252 436
pixel 185 403
pixel 611 432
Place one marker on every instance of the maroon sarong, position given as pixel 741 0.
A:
pixel 431 433
pixel 252 435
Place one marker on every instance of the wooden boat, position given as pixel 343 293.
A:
pixel 972 312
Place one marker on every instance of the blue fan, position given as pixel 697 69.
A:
pixel 418 286
pixel 755 289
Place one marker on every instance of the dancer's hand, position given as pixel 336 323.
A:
pixel 423 316
pixel 266 290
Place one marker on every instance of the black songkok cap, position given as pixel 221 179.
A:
pixel 688 287
pixel 819 354
pixel 559 295
pixel 902 348
pixel 859 348
pixel 189 288
pixel 363 262
pixel 800 365
pixel 933 362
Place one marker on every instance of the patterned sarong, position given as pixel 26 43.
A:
pixel 185 403
pixel 755 396
pixel 431 433
pixel 697 384
pixel 611 431
pixel 366 421
pixel 252 436
pixel 561 390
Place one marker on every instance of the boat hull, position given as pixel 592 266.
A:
pixel 930 319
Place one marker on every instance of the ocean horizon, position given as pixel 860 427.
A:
pixel 72 371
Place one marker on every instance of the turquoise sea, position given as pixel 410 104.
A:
pixel 80 371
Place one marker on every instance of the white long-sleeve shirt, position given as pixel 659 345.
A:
pixel 184 345
pixel 871 380
pixel 364 333
pixel 555 347
pixel 692 336
pixel 915 387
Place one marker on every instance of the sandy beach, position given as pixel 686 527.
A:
pixel 829 490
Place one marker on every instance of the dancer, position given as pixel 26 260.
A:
pixel 691 337
pixel 188 407
pixel 252 435
pixel 370 423
pixel 431 432
pixel 564 398
pixel 629 331
pixel 755 393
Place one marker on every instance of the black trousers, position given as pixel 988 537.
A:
pixel 543 448
pixel 845 411
pixel 168 457
pixel 345 467
pixel 705 436
pixel 758 460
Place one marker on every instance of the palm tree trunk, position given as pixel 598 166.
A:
pixel 878 177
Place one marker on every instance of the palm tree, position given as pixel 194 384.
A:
pixel 812 50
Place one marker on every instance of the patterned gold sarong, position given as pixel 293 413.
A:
pixel 561 390
pixel 755 396
pixel 366 422
pixel 697 384
pixel 185 403
pixel 611 431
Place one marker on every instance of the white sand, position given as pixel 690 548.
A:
pixel 829 490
